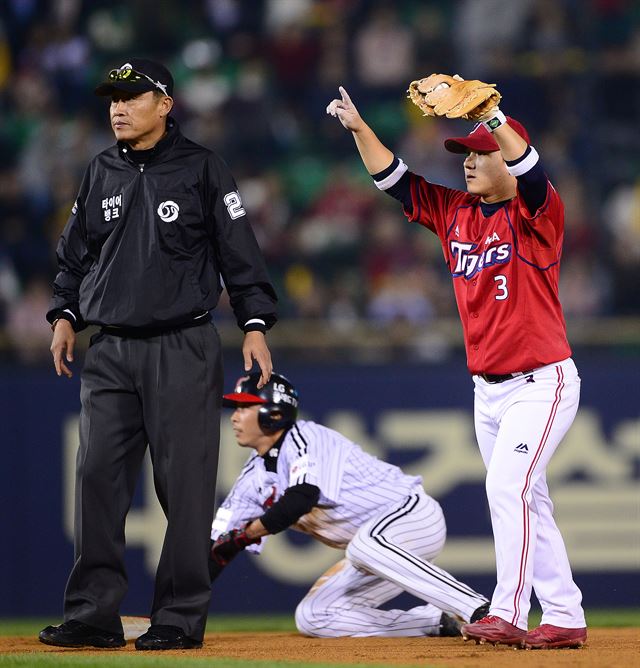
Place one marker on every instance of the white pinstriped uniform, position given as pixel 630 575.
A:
pixel 390 528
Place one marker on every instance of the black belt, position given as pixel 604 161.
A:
pixel 501 377
pixel 148 332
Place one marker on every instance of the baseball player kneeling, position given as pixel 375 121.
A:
pixel 310 478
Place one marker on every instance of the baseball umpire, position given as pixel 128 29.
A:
pixel 158 220
pixel 310 478
pixel 502 242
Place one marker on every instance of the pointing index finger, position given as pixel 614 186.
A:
pixel 345 95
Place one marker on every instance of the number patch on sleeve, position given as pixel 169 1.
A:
pixel 234 205
pixel 222 519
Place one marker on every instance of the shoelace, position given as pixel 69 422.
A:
pixel 489 619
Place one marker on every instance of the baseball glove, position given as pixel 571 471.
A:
pixel 453 96
pixel 230 544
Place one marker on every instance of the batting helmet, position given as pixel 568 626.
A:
pixel 278 400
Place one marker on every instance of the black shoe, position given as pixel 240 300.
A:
pixel 160 636
pixel 480 612
pixel 77 634
pixel 449 626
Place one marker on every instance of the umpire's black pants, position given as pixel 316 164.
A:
pixel 166 391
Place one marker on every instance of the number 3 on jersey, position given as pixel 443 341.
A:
pixel 234 205
pixel 501 286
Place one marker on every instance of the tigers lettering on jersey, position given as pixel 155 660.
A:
pixel 468 263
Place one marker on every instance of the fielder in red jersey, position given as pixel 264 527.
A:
pixel 505 269
pixel 502 242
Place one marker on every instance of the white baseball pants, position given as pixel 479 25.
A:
pixel 389 554
pixel 519 424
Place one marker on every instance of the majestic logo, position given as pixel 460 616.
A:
pixel 111 207
pixel 168 211
pixel 74 208
pixel 468 263
pixel 522 448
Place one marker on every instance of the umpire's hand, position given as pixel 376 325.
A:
pixel 64 340
pixel 255 348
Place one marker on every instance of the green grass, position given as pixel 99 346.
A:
pixel 613 618
pixel 601 618
pixel 26 626
pixel 117 660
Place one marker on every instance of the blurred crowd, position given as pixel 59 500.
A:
pixel 253 78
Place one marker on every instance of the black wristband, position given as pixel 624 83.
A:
pixel 255 327
pixel 69 312
pixel 292 505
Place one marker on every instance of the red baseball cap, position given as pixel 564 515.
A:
pixel 480 139
pixel 234 399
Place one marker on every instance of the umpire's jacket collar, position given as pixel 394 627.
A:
pixel 167 141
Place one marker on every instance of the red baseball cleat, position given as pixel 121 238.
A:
pixel 493 630
pixel 548 636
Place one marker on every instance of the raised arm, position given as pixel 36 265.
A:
pixel 512 145
pixel 522 160
pixel 375 155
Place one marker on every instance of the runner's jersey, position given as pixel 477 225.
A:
pixel 505 270
pixel 354 485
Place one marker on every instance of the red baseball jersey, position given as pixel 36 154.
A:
pixel 505 270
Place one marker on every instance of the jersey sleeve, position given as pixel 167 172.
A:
pixel 316 455
pixel 432 205
pixel 540 208
pixel 241 505
pixel 240 259
pixel 74 262
pixel 541 232
pixel 531 179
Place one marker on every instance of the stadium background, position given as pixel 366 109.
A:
pixel 368 330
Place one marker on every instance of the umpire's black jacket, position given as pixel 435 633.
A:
pixel 146 244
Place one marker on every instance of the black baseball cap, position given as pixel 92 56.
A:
pixel 138 75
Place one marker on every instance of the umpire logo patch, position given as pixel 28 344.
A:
pixel 168 211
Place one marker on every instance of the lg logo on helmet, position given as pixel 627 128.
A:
pixel 168 211
pixel 280 395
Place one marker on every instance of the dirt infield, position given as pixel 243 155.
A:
pixel 605 647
